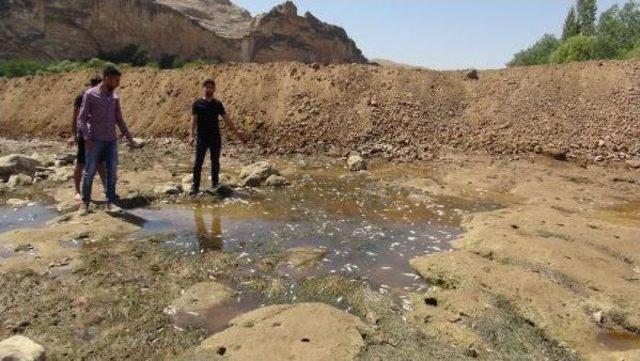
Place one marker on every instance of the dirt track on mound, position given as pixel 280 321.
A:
pixel 584 109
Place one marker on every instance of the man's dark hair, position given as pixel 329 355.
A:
pixel 209 82
pixel 110 71
pixel 95 81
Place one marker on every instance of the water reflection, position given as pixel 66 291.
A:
pixel 209 240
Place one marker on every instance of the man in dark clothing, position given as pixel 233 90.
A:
pixel 205 133
pixel 76 139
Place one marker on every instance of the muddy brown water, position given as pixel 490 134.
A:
pixel 619 341
pixel 369 234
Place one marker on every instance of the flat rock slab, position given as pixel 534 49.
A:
pixel 20 348
pixel 305 256
pixel 202 296
pixel 305 332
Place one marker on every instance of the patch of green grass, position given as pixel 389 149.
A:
pixel 516 338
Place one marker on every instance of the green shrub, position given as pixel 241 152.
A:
pixel 538 53
pixel 197 64
pixel 19 67
pixel 615 36
pixel 632 53
pixel 582 48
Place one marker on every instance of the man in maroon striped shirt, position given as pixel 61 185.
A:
pixel 99 115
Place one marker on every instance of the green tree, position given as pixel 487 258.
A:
pixel 19 67
pixel 587 10
pixel 577 48
pixel 620 26
pixel 570 25
pixel 538 53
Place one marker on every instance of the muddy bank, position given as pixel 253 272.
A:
pixel 584 110
pixel 544 264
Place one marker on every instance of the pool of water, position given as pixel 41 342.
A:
pixel 32 215
pixel 367 231
pixel 619 341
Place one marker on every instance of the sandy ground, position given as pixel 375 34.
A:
pixel 551 272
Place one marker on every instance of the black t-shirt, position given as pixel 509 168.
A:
pixel 78 102
pixel 208 115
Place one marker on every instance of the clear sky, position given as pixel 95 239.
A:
pixel 439 34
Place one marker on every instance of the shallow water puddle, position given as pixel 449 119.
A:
pixel 366 230
pixel 32 215
pixel 217 318
pixel 619 341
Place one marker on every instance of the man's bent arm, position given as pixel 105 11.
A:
pixel 83 117
pixel 227 120
pixel 74 122
pixel 121 123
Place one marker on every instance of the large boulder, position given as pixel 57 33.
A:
pixel 17 164
pixel 356 163
pixel 254 174
pixel 62 174
pixel 168 189
pixel 633 164
pixel 261 169
pixel 308 331
pixel 228 180
pixel 187 181
pixel 64 159
pixel 20 348
pixel 19 180
pixel 276 181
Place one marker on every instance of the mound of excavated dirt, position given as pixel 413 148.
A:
pixel 584 110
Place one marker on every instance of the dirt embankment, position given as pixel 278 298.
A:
pixel 588 110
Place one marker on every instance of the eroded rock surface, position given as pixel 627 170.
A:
pixel 210 29
pixel 20 348
pixel 202 296
pixel 284 332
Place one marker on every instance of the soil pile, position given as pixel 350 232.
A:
pixel 584 110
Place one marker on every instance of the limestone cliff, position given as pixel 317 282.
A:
pixel 192 29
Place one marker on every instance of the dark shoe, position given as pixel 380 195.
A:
pixel 84 210
pixel 193 192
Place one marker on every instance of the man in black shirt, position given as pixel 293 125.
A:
pixel 205 133
pixel 79 141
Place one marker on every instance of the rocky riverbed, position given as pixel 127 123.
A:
pixel 320 258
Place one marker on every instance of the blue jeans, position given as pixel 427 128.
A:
pixel 106 152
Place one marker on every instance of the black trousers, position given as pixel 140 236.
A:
pixel 213 145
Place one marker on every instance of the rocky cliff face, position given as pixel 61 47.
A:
pixel 192 29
